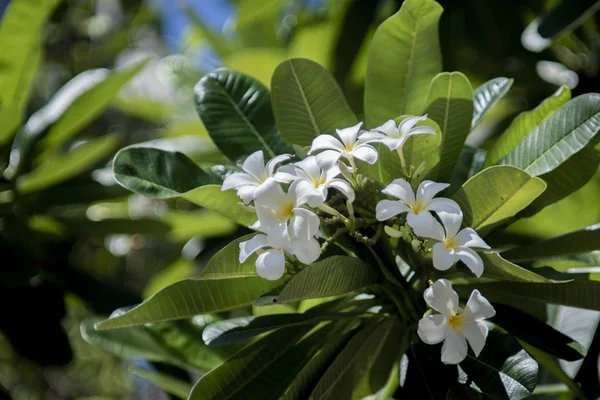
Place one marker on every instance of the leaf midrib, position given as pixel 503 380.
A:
pixel 304 99
pixel 410 59
pixel 246 120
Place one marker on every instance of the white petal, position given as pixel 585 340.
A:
pixel 454 349
pixel 394 143
pixel 366 152
pixel 246 193
pixel 307 251
pixel 478 307
pixel 441 297
pixel 408 123
pixel 310 166
pixel 442 259
pixel 328 158
pixel 451 222
pixel 268 218
pixel 400 189
pixel 272 164
pixel 433 329
pixel 272 195
pixel 238 179
pixel 434 231
pixel 389 128
pixel 343 187
pixel 331 173
pixel 255 165
pixel 271 264
pixel 421 223
pixel 326 142
pixel 387 209
pixel 472 259
pixel 249 247
pixel 371 136
pixel 306 191
pixel 428 189
pixel 304 224
pixel 443 205
pixel 349 135
pixel 469 238
pixel 420 130
pixel 264 188
pixel 475 333
pixel 285 174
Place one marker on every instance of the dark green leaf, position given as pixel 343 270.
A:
pixel 487 95
pixel 558 137
pixel 236 110
pixel 566 16
pixel 353 364
pixel 525 123
pixel 497 267
pixel 333 276
pixel 496 194
pixel 577 293
pixel 166 382
pixel 537 333
pixel 226 263
pixel 582 241
pixel 403 58
pixel 450 104
pixel 426 377
pixel 238 329
pixel 158 174
pixel 191 297
pixel 307 102
pixel 503 370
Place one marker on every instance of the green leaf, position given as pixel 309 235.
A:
pixel 262 369
pixel 225 203
pixel 503 370
pixel 558 137
pixel 307 378
pixel 163 381
pixel 566 17
pixel 525 123
pixel 307 102
pixel 21 27
pixel 178 345
pixel 352 365
pixel 450 104
pixel 487 95
pixel 63 167
pixel 191 297
pixel 576 293
pixel 333 276
pixel 537 333
pixel 496 194
pixel 242 328
pixel 236 110
pixel 403 58
pixel 158 174
pixel 84 226
pixel 587 239
pixel 498 268
pixel 86 108
pixel 226 263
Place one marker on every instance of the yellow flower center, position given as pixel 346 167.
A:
pixel 456 322
pixel 318 182
pixel 449 244
pixel 349 147
pixel 417 208
pixel 287 211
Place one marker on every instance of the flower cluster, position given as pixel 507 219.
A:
pixel 286 199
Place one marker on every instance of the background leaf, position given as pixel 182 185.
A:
pixel 225 203
pixel 487 95
pixel 403 58
pixel 450 104
pixel 333 276
pixel 168 383
pixel 307 102
pixel 158 174
pixel 496 194
pixel 236 110
pixel 558 137
pixel 566 16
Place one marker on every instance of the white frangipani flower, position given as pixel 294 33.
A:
pixel 270 263
pixel 283 213
pixel 453 245
pixel 453 326
pixel 418 207
pixel 351 146
pixel 256 176
pixel 394 136
pixel 311 182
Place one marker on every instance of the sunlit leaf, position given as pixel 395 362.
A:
pixel 225 203
pixel 487 95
